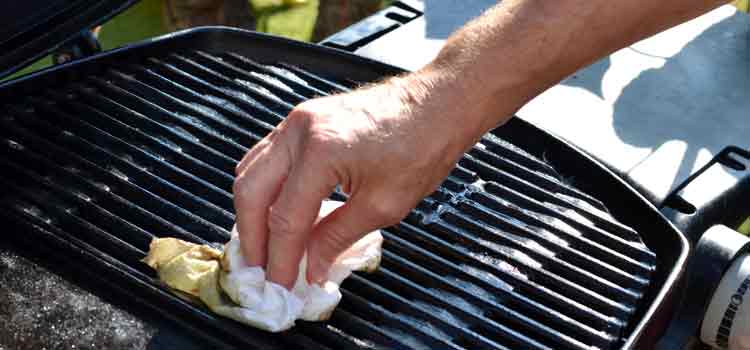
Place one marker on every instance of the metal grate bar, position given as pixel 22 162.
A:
pixel 509 151
pixel 540 243
pixel 569 196
pixel 316 80
pixel 284 75
pixel 367 330
pixel 570 235
pixel 499 147
pixel 414 312
pixel 248 99
pixel 267 97
pixel 142 160
pixel 184 124
pixel 105 181
pixel 41 206
pixel 72 184
pixel 548 228
pixel 541 260
pixel 510 288
pixel 456 234
pixel 270 82
pixel 245 109
pixel 635 250
pixel 149 144
pixel 165 135
pixel 491 173
pixel 542 333
pixel 378 315
pixel 475 322
pixel 127 172
pixel 171 95
pixel 538 178
pixel 167 120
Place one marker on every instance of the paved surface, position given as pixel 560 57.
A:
pixel 654 112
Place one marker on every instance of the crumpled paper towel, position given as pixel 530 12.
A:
pixel 224 283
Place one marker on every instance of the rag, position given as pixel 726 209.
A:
pixel 227 286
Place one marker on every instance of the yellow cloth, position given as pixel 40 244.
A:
pixel 742 5
pixel 227 286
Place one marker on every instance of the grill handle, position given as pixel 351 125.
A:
pixel 715 194
pixel 83 45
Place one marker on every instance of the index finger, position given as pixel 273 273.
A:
pixel 255 189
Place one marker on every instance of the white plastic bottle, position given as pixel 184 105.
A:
pixel 727 321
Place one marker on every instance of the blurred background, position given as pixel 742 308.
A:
pixel 306 20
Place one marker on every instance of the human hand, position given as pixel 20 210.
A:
pixel 388 146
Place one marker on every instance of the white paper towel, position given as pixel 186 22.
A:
pixel 195 270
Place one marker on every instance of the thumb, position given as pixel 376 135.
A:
pixel 342 228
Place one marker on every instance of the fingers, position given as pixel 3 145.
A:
pixel 344 227
pixel 254 151
pixel 292 216
pixel 255 189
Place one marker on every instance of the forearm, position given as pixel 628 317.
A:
pixel 519 48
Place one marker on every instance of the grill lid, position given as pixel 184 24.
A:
pixel 32 29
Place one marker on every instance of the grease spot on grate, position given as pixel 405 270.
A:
pixel 167 142
pixel 271 80
pixel 441 313
pixel 288 74
pixel 118 173
pixel 221 102
pixel 257 88
pixel 488 276
pixel 474 289
pixel 14 145
pixel 409 340
pixel 458 301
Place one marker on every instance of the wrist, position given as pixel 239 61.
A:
pixel 465 98
pixel 443 102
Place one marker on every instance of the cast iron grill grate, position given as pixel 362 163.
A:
pixel 504 255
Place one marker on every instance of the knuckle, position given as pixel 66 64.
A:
pixel 318 144
pixel 301 113
pixel 389 211
pixel 280 225
pixel 238 169
pixel 238 188
pixel 332 244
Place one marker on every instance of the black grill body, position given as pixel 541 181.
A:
pixel 103 154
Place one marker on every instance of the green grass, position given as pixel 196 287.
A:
pixel 296 22
pixel 142 21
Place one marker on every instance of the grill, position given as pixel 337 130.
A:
pixel 142 142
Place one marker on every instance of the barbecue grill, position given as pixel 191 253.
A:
pixel 529 243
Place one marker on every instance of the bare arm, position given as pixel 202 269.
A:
pixel 522 47
pixel 391 144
